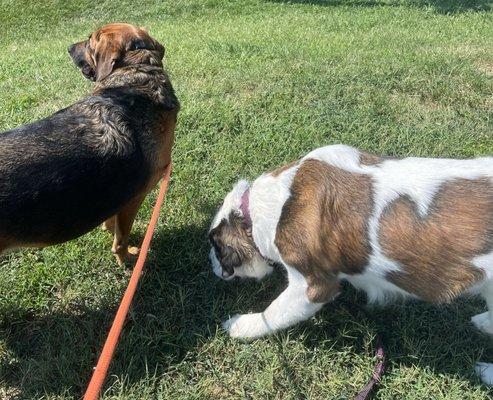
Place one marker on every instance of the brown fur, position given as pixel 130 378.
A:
pixel 436 250
pixel 322 230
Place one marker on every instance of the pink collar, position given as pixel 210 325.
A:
pixel 245 208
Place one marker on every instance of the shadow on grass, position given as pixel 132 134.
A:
pixel 178 307
pixel 439 6
pixel 54 354
pixel 437 337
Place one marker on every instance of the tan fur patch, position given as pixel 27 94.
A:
pixel 12 243
pixel 280 170
pixel 436 250
pixel 369 159
pixel 323 226
pixel 165 137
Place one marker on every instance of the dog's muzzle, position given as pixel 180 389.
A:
pixel 217 269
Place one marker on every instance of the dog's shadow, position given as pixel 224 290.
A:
pixel 434 339
pixel 179 306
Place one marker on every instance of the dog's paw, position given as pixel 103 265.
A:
pixel 133 251
pixel 483 323
pixel 246 326
pixel 128 257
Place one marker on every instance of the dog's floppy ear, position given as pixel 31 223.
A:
pixel 159 49
pixel 107 53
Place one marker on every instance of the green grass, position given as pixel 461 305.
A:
pixel 261 83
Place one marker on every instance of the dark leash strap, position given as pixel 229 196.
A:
pixel 377 373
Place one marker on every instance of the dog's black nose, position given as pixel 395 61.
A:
pixel 225 274
pixel 70 48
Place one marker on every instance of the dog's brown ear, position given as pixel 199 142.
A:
pixel 106 55
pixel 159 49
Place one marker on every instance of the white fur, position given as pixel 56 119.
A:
pixel 485 262
pixel 232 201
pixel 338 155
pixel 267 197
pixel 378 290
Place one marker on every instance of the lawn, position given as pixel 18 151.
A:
pixel 261 83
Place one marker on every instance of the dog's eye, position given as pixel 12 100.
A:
pixel 137 45
pixel 217 248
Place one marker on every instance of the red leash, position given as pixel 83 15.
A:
pixel 99 374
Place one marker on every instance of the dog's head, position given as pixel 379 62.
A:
pixel 114 46
pixel 233 252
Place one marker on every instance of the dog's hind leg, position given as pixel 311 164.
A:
pixel 109 224
pixel 123 225
pixel 4 245
pixel 484 321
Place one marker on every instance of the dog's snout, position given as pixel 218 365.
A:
pixel 70 48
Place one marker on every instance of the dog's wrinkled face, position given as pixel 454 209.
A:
pixel 233 252
pixel 114 46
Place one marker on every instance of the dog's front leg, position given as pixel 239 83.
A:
pixel 291 307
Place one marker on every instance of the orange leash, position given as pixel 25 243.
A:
pixel 99 374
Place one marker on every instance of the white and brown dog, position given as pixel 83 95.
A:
pixel 414 227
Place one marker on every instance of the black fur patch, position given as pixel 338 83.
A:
pixel 63 175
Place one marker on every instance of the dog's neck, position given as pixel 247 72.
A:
pixel 148 80
pixel 247 220
pixel 245 208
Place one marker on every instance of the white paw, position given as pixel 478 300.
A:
pixel 482 322
pixel 246 326
pixel 485 372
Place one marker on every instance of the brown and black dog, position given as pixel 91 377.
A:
pixel 96 160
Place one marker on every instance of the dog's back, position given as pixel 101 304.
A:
pixel 58 179
pixel 412 226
